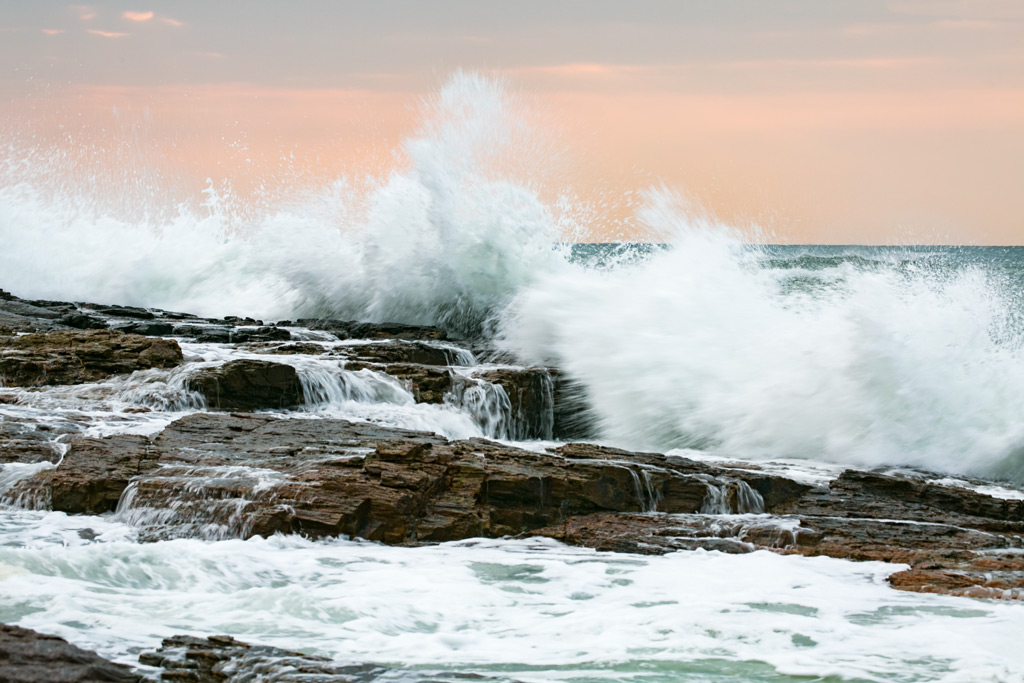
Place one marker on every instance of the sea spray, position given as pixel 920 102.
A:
pixel 710 343
pixel 446 239
pixel 705 346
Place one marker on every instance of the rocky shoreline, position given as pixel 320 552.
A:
pixel 230 472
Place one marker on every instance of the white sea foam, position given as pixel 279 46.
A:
pixel 530 610
pixel 447 240
pixel 702 347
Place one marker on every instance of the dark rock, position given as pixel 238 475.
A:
pixel 531 397
pixel 242 335
pixel 400 351
pixel 214 335
pixel 81 321
pixel 248 385
pixel 149 328
pixel 123 311
pixel 30 657
pixel 67 357
pixel 28 310
pixel 360 480
pixel 222 658
pixel 304 348
pixel 427 383
pixel 17 315
pixel 350 329
pixel 94 473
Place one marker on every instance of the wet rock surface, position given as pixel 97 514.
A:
pixel 30 657
pixel 222 658
pixel 74 357
pixel 240 475
pixel 248 385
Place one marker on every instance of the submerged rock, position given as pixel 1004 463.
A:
pixel 248 385
pixel 222 658
pixel 30 657
pixel 74 357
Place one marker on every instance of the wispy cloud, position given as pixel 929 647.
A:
pixel 966 24
pixel 84 12
pixel 107 34
pixel 53 31
pixel 172 22
pixel 856 63
pixel 137 16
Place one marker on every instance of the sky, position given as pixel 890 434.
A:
pixel 821 121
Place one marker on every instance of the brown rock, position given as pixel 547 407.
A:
pixel 351 329
pixel 74 357
pixel 245 385
pixel 427 383
pixel 401 351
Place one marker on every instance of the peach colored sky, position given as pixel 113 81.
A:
pixel 866 121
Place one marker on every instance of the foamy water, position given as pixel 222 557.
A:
pixel 809 358
pixel 523 610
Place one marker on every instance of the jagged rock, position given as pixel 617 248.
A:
pixel 258 334
pixel 222 658
pixel 427 383
pixel 148 328
pixel 348 478
pixel 81 321
pixel 30 657
pixel 74 357
pixel 244 475
pixel 122 311
pixel 305 348
pixel 351 329
pixel 17 315
pixel 248 385
pixel 404 352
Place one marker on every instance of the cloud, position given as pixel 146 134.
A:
pixel 856 63
pixel 53 31
pixel 966 24
pixel 172 22
pixel 137 16
pixel 107 34
pixel 85 12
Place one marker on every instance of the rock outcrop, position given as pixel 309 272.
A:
pixel 222 658
pixel 30 657
pixel 74 357
pixel 220 475
pixel 245 385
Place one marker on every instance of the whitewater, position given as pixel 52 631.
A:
pixel 696 338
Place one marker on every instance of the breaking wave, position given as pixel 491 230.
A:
pixel 883 357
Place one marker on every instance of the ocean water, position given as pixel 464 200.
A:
pixel 703 338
